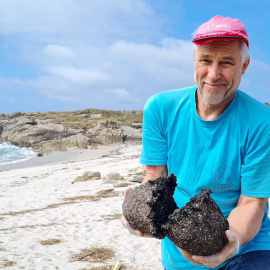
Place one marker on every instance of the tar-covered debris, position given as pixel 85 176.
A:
pixel 147 207
pixel 198 227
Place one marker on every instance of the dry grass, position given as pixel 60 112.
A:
pixel 20 212
pixel 49 242
pixel 109 267
pixel 82 119
pixel 100 194
pixel 28 226
pixel 105 267
pixel 82 198
pixel 112 217
pixel 107 193
pixel 94 255
pixel 55 205
pixel 8 263
pixel 71 200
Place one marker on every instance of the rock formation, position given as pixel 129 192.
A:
pixel 48 135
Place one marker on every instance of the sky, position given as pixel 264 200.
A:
pixel 65 55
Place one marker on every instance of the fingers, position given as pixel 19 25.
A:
pixel 211 261
pixel 232 237
pixel 233 243
pixel 124 222
pixel 188 256
pixel 224 254
pixel 127 191
pixel 130 229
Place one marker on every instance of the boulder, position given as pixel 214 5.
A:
pixel 136 125
pixel 78 179
pixel 13 115
pixel 122 184
pixel 87 176
pixel 114 176
pixel 136 178
pixel 91 175
pixel 141 170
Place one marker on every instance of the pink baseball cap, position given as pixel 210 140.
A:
pixel 220 28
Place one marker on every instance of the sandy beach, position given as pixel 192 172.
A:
pixel 50 222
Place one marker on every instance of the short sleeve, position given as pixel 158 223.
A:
pixel 154 150
pixel 255 175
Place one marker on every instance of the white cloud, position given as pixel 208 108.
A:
pixel 132 71
pixel 69 21
pixel 68 43
pixel 55 88
pixel 256 80
pixel 76 76
pixel 169 52
pixel 59 52
pixel 121 93
pixel 106 53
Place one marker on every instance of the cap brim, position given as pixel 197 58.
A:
pixel 206 40
pixel 198 39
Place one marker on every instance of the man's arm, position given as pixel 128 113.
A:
pixel 153 172
pixel 245 221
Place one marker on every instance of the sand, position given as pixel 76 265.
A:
pixel 46 222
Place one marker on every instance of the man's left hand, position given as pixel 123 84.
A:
pixel 215 260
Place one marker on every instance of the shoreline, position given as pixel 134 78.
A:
pixel 60 157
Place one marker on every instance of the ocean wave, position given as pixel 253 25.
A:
pixel 12 154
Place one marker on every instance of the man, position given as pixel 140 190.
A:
pixel 215 136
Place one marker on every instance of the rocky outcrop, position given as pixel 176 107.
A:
pixel 45 136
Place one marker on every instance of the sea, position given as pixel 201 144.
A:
pixel 11 154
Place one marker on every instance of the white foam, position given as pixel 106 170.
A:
pixel 11 154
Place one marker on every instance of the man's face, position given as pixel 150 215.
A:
pixel 218 70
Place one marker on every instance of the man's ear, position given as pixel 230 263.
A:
pixel 245 66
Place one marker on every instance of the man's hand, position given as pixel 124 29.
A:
pixel 215 260
pixel 128 226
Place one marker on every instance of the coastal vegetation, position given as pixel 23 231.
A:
pixel 84 119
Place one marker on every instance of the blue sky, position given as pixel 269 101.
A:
pixel 61 55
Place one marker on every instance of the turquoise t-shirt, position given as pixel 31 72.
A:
pixel 230 155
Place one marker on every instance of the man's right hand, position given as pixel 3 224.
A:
pixel 131 229
pixel 215 260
